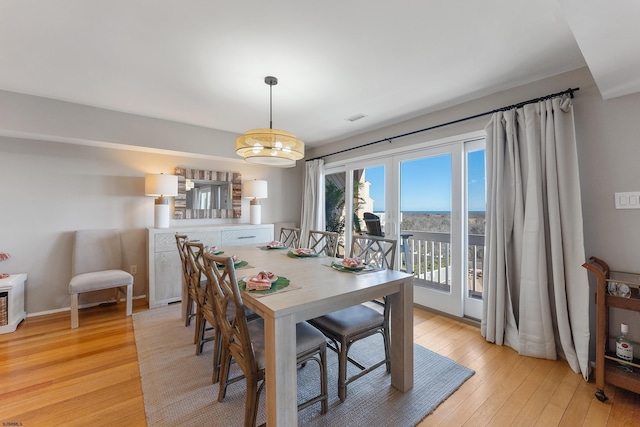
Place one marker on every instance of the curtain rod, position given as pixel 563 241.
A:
pixel 510 107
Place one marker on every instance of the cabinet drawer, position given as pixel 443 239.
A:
pixel 210 238
pixel 246 236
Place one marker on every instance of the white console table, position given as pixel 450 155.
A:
pixel 13 287
pixel 163 260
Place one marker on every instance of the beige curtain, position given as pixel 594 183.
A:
pixel 536 294
pixel 313 216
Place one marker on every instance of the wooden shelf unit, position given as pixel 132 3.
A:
pixel 609 368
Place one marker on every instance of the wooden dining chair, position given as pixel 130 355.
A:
pixel 196 285
pixel 375 251
pixel 206 310
pixel 325 242
pixel 243 341
pixel 347 326
pixel 290 237
pixel 190 304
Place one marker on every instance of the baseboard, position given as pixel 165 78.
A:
pixel 466 320
pixel 93 304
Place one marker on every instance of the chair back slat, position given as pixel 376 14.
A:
pixel 375 251
pixel 229 308
pixel 290 237
pixel 195 268
pixel 181 239
pixel 325 242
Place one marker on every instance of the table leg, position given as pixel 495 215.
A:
pixel 402 336
pixel 281 381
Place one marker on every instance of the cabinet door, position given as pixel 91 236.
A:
pixel 168 283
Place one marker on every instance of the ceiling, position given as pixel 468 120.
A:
pixel 204 62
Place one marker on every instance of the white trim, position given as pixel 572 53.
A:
pixel 115 146
pixel 465 137
pixel 93 304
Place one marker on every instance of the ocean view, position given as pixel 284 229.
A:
pixel 438 221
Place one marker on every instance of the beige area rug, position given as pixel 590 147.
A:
pixel 178 391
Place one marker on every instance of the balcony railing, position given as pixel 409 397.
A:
pixel 429 257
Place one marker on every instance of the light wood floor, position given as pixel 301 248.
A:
pixel 53 375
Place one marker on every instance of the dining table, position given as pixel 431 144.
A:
pixel 315 288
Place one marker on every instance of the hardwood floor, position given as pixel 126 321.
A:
pixel 53 375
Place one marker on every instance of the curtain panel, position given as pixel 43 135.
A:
pixel 536 293
pixel 312 216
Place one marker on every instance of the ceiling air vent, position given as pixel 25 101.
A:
pixel 355 117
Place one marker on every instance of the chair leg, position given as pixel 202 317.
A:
pixel 201 327
pixel 224 374
pixel 387 346
pixel 342 370
pixel 251 404
pixel 189 310
pixel 129 300
pixel 74 311
pixel 217 347
pixel 324 388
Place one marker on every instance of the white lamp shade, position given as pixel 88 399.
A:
pixel 256 189
pixel 161 185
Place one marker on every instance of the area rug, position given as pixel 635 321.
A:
pixel 177 386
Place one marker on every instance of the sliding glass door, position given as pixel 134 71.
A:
pixel 430 205
pixel 432 201
pixel 334 200
pixel 476 202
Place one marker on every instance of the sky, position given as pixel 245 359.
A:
pixel 425 184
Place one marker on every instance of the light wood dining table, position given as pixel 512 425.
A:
pixel 316 289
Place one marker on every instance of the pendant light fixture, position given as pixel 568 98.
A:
pixel 271 147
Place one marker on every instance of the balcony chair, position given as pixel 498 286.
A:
pixel 347 326
pixel 374 228
pixel 323 242
pixel 372 222
pixel 243 341
pixel 96 264
pixel 290 237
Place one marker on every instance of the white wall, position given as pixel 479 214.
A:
pixel 608 137
pixel 49 189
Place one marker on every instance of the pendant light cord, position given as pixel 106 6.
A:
pixel 270 106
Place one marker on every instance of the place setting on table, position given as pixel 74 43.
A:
pixel 273 245
pixel 264 283
pixel 237 263
pixel 302 253
pixel 354 265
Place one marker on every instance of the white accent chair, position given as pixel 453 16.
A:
pixel 96 265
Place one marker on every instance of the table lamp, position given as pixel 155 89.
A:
pixel 255 190
pixel 161 186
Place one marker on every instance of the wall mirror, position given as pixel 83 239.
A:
pixel 208 194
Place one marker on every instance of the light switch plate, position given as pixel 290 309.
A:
pixel 628 200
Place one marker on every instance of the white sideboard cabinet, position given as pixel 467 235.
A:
pixel 163 262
